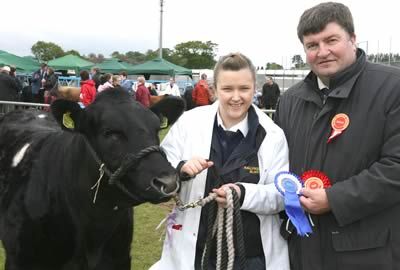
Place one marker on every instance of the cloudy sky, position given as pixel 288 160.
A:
pixel 262 29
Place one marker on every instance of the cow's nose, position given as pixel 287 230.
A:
pixel 167 185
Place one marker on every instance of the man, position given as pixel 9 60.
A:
pixel 96 76
pixel 270 93
pixel 172 89
pixel 200 94
pixel 38 80
pixel 142 92
pixel 125 83
pixel 344 121
pixel 8 89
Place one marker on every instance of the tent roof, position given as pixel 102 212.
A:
pixel 23 65
pixel 160 66
pixel 70 62
pixel 115 66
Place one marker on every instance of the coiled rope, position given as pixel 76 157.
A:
pixel 221 228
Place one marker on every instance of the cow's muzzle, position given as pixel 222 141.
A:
pixel 167 185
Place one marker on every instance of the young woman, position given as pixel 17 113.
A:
pixel 230 142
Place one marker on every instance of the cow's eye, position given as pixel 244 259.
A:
pixel 113 134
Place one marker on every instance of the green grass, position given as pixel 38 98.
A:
pixel 146 246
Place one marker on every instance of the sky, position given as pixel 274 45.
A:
pixel 263 30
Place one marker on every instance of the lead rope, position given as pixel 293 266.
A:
pixel 226 219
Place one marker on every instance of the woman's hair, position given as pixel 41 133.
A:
pixel 116 80
pixel 104 78
pixel 233 62
pixel 84 75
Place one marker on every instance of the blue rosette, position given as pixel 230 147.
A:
pixel 289 185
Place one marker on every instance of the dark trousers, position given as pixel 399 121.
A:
pixel 252 263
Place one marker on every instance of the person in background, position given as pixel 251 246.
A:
pixel 270 94
pixel 49 86
pixel 126 84
pixel 8 89
pixel 88 89
pixel 234 144
pixel 37 83
pixel 96 76
pixel 116 80
pixel 343 120
pixel 106 82
pixel 13 74
pixel 188 97
pixel 211 92
pixel 200 94
pixel 142 93
pixel 153 89
pixel 172 88
pixel 257 98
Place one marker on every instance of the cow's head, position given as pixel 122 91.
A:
pixel 124 136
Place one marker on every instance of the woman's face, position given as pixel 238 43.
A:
pixel 235 90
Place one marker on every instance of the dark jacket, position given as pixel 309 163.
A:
pixel 8 88
pixel 270 95
pixel 97 80
pixel 36 80
pixel 363 163
pixel 230 167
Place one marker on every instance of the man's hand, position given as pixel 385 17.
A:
pixel 195 165
pixel 314 201
pixel 221 199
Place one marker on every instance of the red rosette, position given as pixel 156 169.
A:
pixel 314 179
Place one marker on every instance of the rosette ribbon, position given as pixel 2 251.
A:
pixel 289 185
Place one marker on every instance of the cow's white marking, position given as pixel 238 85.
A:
pixel 20 155
pixel 42 115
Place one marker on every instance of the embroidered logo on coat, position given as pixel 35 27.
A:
pixel 252 170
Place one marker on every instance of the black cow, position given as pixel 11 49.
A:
pixel 68 182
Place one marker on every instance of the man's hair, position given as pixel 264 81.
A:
pixel 315 19
pixel 84 75
pixel 95 69
pixel 203 76
pixel 233 62
pixel 123 73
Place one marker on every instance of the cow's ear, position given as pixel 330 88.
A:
pixel 67 113
pixel 170 107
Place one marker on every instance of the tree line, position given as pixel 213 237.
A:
pixel 192 54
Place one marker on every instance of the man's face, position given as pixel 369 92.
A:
pixel 330 51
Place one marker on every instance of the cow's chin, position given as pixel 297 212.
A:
pixel 159 189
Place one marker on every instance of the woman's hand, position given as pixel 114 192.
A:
pixel 221 199
pixel 195 165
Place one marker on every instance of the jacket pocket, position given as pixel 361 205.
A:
pixel 363 250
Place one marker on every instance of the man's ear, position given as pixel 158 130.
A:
pixel 67 113
pixel 170 107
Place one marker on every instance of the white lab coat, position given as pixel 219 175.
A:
pixel 191 135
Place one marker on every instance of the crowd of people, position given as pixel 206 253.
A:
pixel 340 126
pixel 43 87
